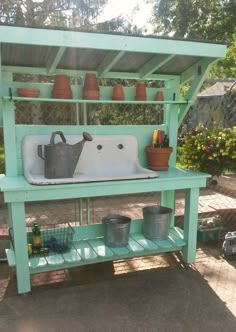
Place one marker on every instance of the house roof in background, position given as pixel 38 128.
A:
pixel 217 90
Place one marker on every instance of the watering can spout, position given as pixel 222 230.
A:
pixel 78 148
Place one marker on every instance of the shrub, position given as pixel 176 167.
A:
pixel 210 150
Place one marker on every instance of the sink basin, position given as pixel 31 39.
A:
pixel 106 158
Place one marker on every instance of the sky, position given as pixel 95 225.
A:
pixel 126 8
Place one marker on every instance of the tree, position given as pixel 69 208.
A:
pixel 196 19
pixel 70 13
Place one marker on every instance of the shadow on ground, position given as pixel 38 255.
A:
pixel 160 299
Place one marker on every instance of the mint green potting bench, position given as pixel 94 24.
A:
pixel 34 52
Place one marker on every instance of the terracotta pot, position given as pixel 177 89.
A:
pixel 118 92
pixel 141 92
pixel 30 93
pixel 62 89
pixel 158 158
pixel 61 95
pixel 91 88
pixel 159 96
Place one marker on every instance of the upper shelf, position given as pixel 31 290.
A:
pixel 49 51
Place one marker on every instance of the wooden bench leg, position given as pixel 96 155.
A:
pixel 20 247
pixel 168 200
pixel 190 224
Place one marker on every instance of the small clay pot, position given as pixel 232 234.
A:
pixel 118 92
pixel 141 92
pixel 158 158
pixel 159 96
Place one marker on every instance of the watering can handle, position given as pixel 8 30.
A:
pixel 40 151
pixel 60 133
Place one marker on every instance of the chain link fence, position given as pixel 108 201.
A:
pixel 217 201
pixel 215 106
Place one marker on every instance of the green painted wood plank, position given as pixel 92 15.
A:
pixel 50 38
pixel 91 231
pixel 164 244
pixel 81 73
pixel 108 62
pixel 18 189
pixel 134 246
pixel 176 237
pixel 154 64
pixel 120 251
pixel 198 80
pixel 190 224
pixel 176 241
pixel 54 59
pixel 54 259
pixel 37 262
pixel 100 248
pixel 145 243
pixel 72 256
pixel 10 138
pixel 17 213
pixel 84 250
pixel 177 231
pixel 10 254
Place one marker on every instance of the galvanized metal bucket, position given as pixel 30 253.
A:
pixel 117 229
pixel 156 222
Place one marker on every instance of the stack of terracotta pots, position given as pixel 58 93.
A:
pixel 62 88
pixel 91 88
pixel 141 91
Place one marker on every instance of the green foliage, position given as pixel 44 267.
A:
pixel 212 20
pixel 71 13
pixel 226 67
pixel 120 114
pixel 210 150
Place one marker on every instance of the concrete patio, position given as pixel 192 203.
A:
pixel 154 293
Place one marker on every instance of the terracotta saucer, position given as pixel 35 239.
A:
pixel 26 92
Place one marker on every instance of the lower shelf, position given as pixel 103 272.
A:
pixel 93 250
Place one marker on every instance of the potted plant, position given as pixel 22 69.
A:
pixel 159 151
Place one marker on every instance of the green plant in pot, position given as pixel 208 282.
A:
pixel 159 151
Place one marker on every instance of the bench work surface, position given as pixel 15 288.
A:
pixel 17 189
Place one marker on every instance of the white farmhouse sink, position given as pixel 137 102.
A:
pixel 106 158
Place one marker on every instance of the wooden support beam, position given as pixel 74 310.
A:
pixel 153 64
pixel 54 60
pixel 108 62
pixel 79 73
pixel 197 73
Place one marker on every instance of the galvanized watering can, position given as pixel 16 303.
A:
pixel 60 159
